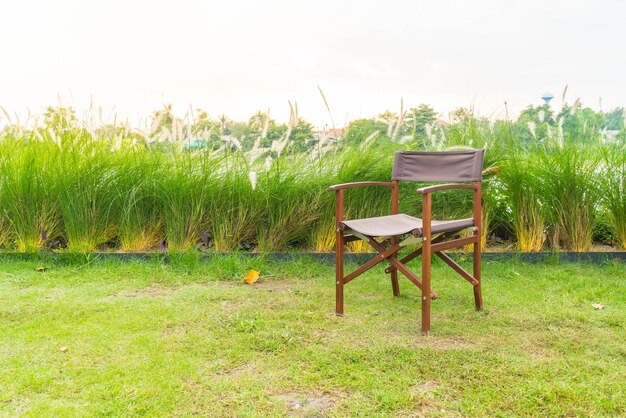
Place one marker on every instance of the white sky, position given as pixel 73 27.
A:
pixel 236 57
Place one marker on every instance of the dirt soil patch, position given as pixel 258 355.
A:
pixel 443 343
pixel 306 404
pixel 151 291
pixel 275 285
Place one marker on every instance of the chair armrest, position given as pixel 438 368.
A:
pixel 436 188
pixel 360 184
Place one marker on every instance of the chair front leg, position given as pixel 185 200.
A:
pixel 395 286
pixel 426 254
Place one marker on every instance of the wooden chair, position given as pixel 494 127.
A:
pixel 464 168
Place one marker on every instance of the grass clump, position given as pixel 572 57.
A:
pixel 234 210
pixel 290 203
pixel 520 182
pixel 27 192
pixel 569 190
pixel 141 225
pixel 183 191
pixel 85 183
pixel 613 189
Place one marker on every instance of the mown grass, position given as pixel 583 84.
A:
pixel 93 337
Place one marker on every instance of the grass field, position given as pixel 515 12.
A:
pixel 188 337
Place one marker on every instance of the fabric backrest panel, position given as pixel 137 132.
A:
pixel 439 166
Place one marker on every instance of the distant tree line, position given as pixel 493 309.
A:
pixel 416 125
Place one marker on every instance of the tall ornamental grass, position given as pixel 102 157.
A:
pixel 234 211
pixel 114 189
pixel 28 192
pixel 612 175
pixel 85 176
pixel 140 218
pixel 289 200
pixel 520 180
pixel 184 184
pixel 569 190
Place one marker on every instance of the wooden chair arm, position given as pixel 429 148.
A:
pixel 337 187
pixel 436 188
pixel 428 201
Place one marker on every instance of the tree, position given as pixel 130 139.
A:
pixel 202 123
pixel 257 121
pixel 112 131
pixel 59 119
pixel 461 114
pixel 241 131
pixel 389 118
pixel 361 129
pixel 417 119
pixel 275 132
pixel 302 137
pixel 162 120
pixel 224 124
pixel 534 121
pixel 614 119
pixel 580 124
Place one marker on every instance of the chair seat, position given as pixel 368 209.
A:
pixel 392 225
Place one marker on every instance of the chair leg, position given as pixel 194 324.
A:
pixel 478 297
pixel 426 291
pixel 395 286
pixel 339 274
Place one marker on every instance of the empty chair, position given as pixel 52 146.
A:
pixel 458 170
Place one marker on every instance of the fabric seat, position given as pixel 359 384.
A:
pixel 393 225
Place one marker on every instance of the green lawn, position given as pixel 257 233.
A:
pixel 188 337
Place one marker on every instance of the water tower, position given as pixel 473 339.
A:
pixel 547 97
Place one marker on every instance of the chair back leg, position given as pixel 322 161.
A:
pixel 478 297
pixel 339 273
pixel 478 221
pixel 395 286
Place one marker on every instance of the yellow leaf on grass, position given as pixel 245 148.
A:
pixel 252 276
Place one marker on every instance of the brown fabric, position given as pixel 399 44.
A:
pixel 392 225
pixel 439 166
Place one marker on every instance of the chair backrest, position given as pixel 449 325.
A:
pixel 465 165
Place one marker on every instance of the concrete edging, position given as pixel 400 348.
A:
pixel 592 257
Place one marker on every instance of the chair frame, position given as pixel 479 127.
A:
pixel 430 245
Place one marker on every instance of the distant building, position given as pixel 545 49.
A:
pixel 196 144
pixel 329 134
pixel 334 133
